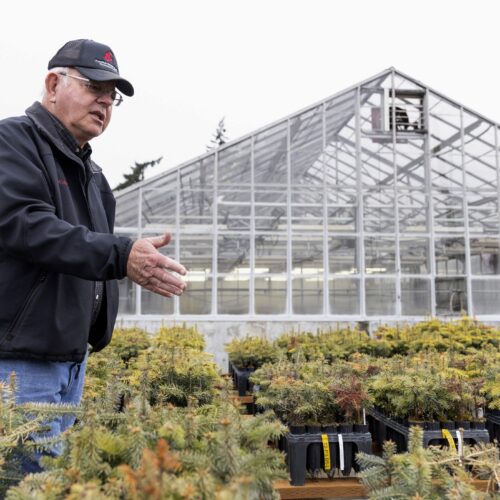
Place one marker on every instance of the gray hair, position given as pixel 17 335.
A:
pixel 58 69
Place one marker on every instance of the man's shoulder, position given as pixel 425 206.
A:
pixel 15 122
pixel 19 134
pixel 16 127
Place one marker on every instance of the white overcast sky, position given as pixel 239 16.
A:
pixel 255 61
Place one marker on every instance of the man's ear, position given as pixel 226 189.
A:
pixel 51 82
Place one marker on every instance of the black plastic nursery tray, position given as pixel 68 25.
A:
pixel 384 428
pixel 493 425
pixel 306 451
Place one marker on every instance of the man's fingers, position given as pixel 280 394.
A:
pixel 159 291
pixel 172 265
pixel 160 241
pixel 153 270
pixel 168 281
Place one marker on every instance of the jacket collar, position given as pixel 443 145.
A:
pixel 57 133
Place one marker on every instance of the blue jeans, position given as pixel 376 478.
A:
pixel 46 382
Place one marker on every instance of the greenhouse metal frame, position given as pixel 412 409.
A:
pixel 377 203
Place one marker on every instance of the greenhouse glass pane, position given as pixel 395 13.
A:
pixel 271 217
pixel 306 143
pixel 307 195
pixel 415 297
pixel 270 252
pixel 483 212
pixel 127 290
pixel 379 211
pixel 307 165
pixel 307 218
pixel 451 296
pixel 271 155
pixel 402 83
pixel 306 129
pixel 340 115
pixel 377 166
pixel 307 295
pixel 307 253
pixel 127 206
pixel 485 294
pixel 412 212
pixel 410 164
pixel 270 294
pixel 448 211
pixel 233 294
pixel 343 255
pixel 342 211
pixel 234 164
pixel 233 253
pixel 484 254
pixel 196 207
pixel 159 207
pixel 446 144
pixel 196 252
pixel 339 159
pixel 152 303
pixel 233 210
pixel 450 256
pixel 271 194
pixel 197 175
pixel 342 219
pixel 344 295
pixel 380 255
pixel 480 154
pixel 380 296
pixel 197 297
pixel 307 209
pixel 414 255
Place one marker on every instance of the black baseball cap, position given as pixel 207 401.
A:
pixel 93 60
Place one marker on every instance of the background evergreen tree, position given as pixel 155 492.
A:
pixel 137 174
pixel 219 137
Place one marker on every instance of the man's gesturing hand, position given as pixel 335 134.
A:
pixel 148 267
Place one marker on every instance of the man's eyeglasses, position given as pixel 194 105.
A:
pixel 96 89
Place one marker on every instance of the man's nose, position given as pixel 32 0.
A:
pixel 105 99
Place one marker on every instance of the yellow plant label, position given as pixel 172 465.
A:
pixel 447 436
pixel 326 450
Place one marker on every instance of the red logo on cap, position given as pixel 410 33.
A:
pixel 108 57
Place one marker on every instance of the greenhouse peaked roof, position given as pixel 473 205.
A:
pixel 306 140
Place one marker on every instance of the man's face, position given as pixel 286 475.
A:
pixel 84 107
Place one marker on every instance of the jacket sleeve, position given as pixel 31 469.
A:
pixel 30 230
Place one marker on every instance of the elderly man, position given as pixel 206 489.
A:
pixel 59 260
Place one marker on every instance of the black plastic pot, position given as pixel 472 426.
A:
pixel 330 429
pixel 362 429
pixel 432 426
pixel 462 424
pixel 416 423
pixel 314 452
pixel 348 449
pixel 478 424
pixel 448 424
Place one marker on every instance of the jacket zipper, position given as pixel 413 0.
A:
pixel 41 278
pixel 96 302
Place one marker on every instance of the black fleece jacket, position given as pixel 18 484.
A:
pixel 56 222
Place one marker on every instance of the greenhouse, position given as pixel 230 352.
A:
pixel 379 203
